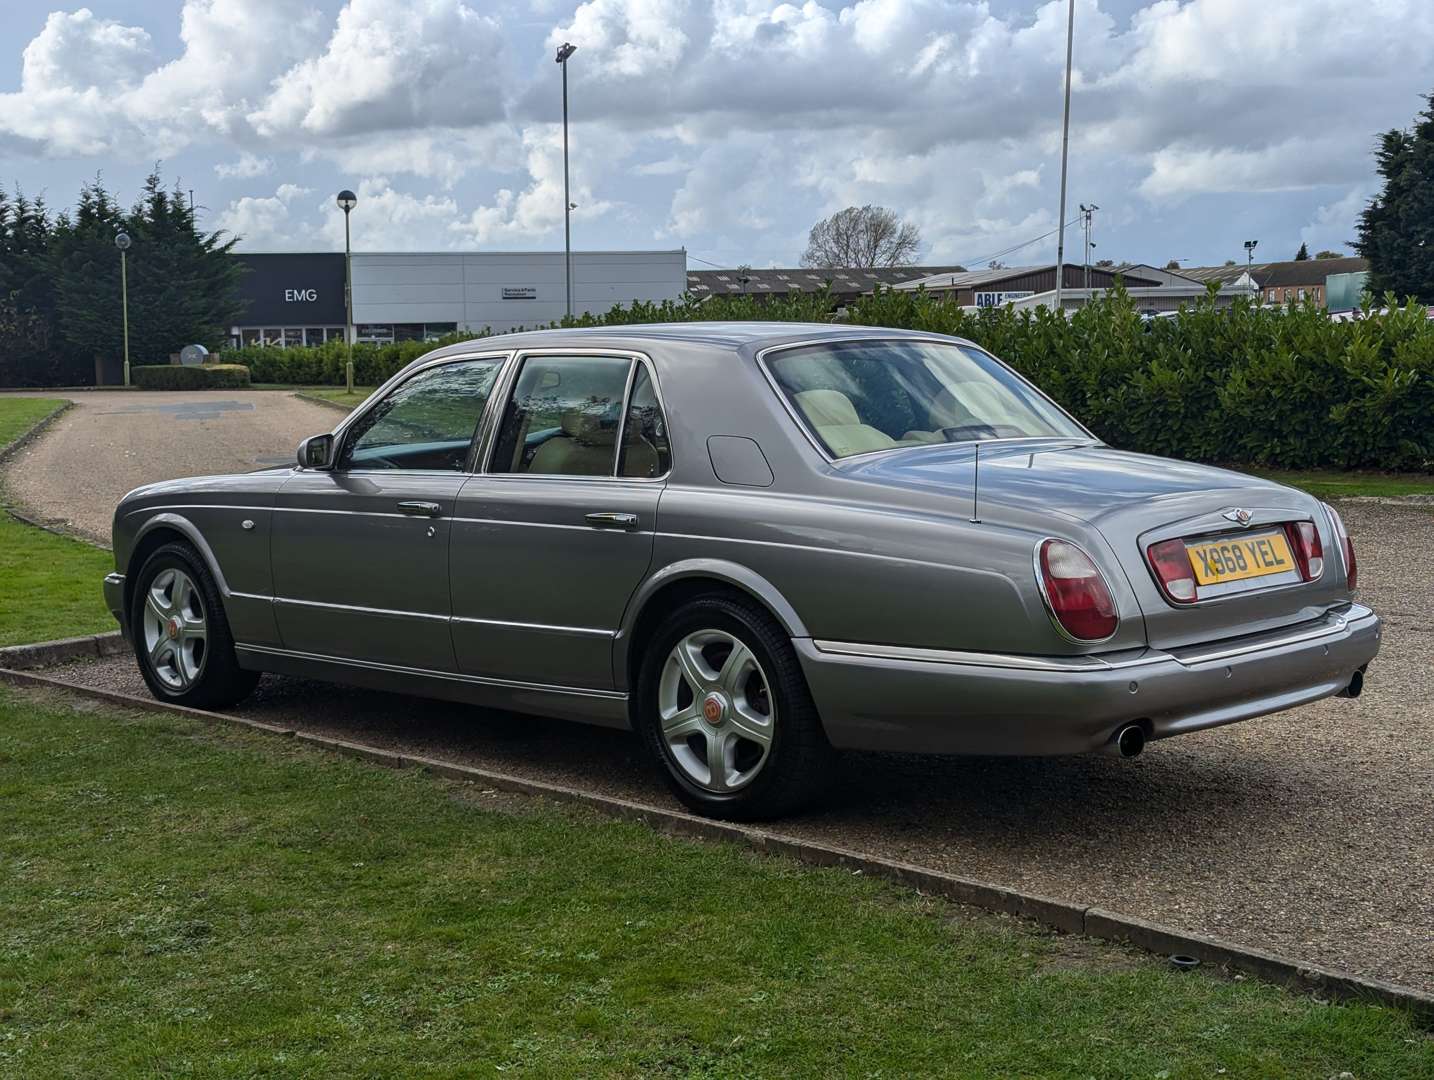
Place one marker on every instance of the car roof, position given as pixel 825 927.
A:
pixel 734 334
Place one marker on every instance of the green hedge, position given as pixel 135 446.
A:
pixel 1254 384
pixel 197 377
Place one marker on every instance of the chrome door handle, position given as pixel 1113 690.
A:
pixel 609 520
pixel 415 508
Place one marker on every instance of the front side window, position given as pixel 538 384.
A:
pixel 426 422
pixel 861 396
pixel 564 416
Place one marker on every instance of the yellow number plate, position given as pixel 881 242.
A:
pixel 1238 558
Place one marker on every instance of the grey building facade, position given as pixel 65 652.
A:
pixel 298 298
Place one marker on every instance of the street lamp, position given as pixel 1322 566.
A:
pixel 1250 263
pixel 347 200
pixel 566 50
pixel 1065 148
pixel 122 241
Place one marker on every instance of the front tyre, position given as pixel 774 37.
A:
pixel 181 635
pixel 724 708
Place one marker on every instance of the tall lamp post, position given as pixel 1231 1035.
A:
pixel 1250 263
pixel 566 50
pixel 122 241
pixel 347 200
pixel 1065 149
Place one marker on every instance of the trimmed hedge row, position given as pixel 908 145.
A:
pixel 197 377
pixel 1284 387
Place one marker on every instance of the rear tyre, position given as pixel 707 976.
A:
pixel 724 708
pixel 181 635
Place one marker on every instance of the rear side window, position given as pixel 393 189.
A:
pixel 564 417
pixel 646 452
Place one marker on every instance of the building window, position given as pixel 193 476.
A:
pixel 375 333
pixel 438 329
pixel 251 336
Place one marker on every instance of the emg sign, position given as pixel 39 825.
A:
pixel 300 296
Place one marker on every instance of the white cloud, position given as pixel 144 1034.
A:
pixel 389 220
pixel 269 223
pixel 245 167
pixel 1333 226
pixel 392 67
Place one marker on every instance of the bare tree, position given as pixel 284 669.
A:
pixel 862 236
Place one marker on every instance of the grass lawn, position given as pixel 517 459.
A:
pixel 340 395
pixel 182 899
pixel 49 585
pixel 19 414
pixel 1330 484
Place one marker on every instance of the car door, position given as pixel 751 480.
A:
pixel 360 550
pixel 552 539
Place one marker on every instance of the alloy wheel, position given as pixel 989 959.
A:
pixel 175 629
pixel 715 710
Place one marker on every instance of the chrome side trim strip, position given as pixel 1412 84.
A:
pixel 450 676
pixel 1334 624
pixel 359 609
pixel 544 627
pixel 1337 624
pixel 961 658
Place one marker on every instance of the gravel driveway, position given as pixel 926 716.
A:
pixel 1309 833
pixel 115 440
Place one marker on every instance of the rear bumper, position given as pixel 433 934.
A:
pixel 875 697
pixel 114 600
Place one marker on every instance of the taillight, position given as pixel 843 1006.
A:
pixel 1346 547
pixel 1171 562
pixel 1306 547
pixel 1075 592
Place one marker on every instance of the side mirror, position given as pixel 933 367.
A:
pixel 315 452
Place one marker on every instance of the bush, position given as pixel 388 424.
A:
pixel 1248 384
pixel 197 377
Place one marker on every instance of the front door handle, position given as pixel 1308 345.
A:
pixel 415 508
pixel 610 520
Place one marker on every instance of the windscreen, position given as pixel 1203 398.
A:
pixel 861 396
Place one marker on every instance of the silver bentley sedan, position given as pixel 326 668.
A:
pixel 756 544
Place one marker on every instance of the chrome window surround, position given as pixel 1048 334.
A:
pixel 1046 598
pixel 932 339
pixel 503 389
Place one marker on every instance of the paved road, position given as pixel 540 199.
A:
pixel 1310 833
pixel 115 440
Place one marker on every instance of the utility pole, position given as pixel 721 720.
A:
pixel 1087 213
pixel 1065 151
pixel 564 51
pixel 1250 264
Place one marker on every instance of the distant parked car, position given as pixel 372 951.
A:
pixel 754 543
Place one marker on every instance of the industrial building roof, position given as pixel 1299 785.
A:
pixel 768 282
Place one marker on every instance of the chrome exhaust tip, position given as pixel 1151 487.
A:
pixel 1129 741
pixel 1355 687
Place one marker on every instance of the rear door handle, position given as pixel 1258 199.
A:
pixel 415 508
pixel 610 520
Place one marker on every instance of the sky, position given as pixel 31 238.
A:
pixel 725 127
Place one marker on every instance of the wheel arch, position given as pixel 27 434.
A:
pixel 154 534
pixel 672 585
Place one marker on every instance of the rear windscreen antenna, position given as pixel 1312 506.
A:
pixel 976 487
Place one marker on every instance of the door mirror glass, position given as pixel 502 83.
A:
pixel 316 451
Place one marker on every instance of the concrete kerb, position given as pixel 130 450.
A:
pixel 49 653
pixel 1048 912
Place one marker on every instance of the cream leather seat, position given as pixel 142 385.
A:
pixel 947 411
pixel 835 419
pixel 585 448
